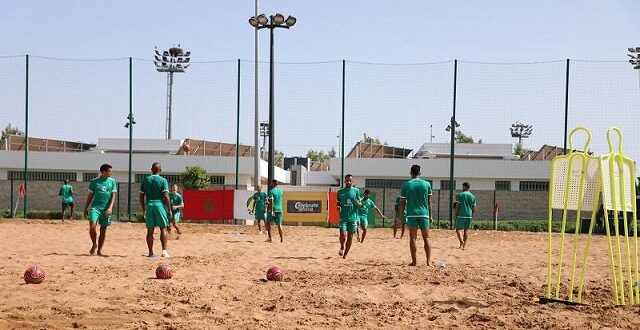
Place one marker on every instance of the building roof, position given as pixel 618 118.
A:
pixel 547 152
pixel 466 150
pixel 17 142
pixel 374 150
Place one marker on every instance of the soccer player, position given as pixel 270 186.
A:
pixel 363 213
pixel 177 204
pixel 102 194
pixel 401 220
pixel 348 202
pixel 259 206
pixel 274 208
pixel 156 207
pixel 66 196
pixel 465 206
pixel 415 197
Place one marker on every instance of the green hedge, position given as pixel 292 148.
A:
pixel 78 215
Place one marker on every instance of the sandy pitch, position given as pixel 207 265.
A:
pixel 220 271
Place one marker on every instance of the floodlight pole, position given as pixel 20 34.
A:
pixel 271 25
pixel 256 158
pixel 169 101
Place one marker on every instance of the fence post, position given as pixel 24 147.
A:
pixel 26 136
pixel 11 215
pixel 566 107
pixel 238 129
pixel 130 138
pixel 452 186
pixel 342 128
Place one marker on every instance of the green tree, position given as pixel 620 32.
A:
pixel 463 138
pixel 195 178
pixel 320 155
pixel 375 140
pixel 9 130
pixel 520 151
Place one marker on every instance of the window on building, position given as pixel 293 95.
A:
pixel 43 176
pixel 87 177
pixel 503 185
pixel 445 184
pixel 534 186
pixel 216 179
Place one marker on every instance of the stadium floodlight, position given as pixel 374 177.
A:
pixel 171 61
pixel 275 21
pixel 291 21
pixel 253 21
pixel 262 19
pixel 521 131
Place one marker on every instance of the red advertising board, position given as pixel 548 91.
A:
pixel 334 215
pixel 211 205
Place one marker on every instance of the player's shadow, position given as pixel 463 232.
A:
pixel 102 256
pixel 56 254
pixel 295 258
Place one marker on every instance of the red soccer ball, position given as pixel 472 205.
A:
pixel 164 272
pixel 34 275
pixel 275 274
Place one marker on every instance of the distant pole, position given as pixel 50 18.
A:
pixel 26 137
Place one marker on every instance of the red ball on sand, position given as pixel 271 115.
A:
pixel 275 274
pixel 34 275
pixel 164 272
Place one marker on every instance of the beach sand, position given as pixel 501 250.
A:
pixel 219 281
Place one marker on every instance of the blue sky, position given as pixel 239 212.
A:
pixel 397 103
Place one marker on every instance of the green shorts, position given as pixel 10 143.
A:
pixel 364 222
pixel 261 215
pixel 349 225
pixel 463 222
pixel 177 216
pixel 418 222
pixel 275 219
pixel 100 216
pixel 156 215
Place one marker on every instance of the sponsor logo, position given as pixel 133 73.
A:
pixel 297 206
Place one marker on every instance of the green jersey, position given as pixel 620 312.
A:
pixel 260 199
pixel 275 194
pixel 347 198
pixel 66 193
pixel 367 205
pixel 416 192
pixel 176 199
pixel 466 201
pixel 153 187
pixel 102 190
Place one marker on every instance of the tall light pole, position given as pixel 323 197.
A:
pixel 171 61
pixel 521 131
pixel 256 158
pixel 275 21
pixel 431 136
pixel 635 58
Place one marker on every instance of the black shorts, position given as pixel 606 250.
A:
pixel 64 205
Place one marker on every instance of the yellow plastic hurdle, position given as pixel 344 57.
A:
pixel 574 184
pixel 618 176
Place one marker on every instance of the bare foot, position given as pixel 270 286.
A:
pixel 412 264
pixel 93 249
pixel 151 255
pixel 177 237
pixel 268 240
pixel 99 253
pixel 430 264
pixel 341 252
